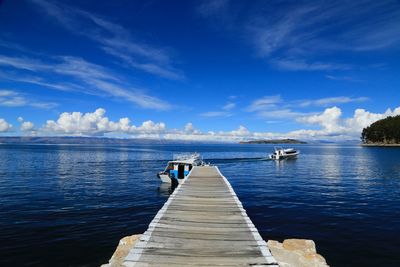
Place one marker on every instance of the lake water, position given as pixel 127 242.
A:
pixel 70 205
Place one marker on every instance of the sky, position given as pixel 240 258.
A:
pixel 207 70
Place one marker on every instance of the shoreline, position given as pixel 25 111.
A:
pixel 381 145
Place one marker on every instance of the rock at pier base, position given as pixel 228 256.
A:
pixel 296 253
pixel 290 253
pixel 124 246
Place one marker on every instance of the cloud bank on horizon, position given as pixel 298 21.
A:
pixel 332 127
pixel 241 70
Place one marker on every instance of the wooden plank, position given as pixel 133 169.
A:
pixel 181 240
pixel 202 218
pixel 146 264
pixel 202 224
pixel 230 224
pixel 182 243
pixel 156 259
pixel 204 236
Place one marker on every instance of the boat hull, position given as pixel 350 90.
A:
pixel 284 156
pixel 164 177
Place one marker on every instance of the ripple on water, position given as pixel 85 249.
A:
pixel 57 201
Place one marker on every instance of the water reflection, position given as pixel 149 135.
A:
pixel 280 165
pixel 331 160
pixel 123 166
pixel 75 197
pixel 364 164
pixel 166 189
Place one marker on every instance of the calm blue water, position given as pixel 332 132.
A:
pixel 70 205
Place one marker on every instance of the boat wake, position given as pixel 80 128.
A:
pixel 234 160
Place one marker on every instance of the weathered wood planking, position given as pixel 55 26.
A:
pixel 203 223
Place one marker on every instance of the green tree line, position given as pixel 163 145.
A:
pixel 385 131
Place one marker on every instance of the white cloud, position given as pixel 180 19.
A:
pixel 77 123
pixel 80 68
pixel 266 102
pixel 113 39
pixel 241 131
pixel 273 107
pixel 221 136
pixel 332 126
pixel 62 86
pixel 148 127
pixel 322 102
pixel 343 78
pixel 153 68
pixel 97 124
pixel 329 119
pixel 27 126
pixel 9 98
pixel 229 106
pixel 212 114
pixel 304 24
pixel 94 79
pixel 189 129
pixel 303 35
pixel 291 64
pixel 225 110
pixel 284 113
pixel 130 94
pixel 332 123
pixel 277 107
pixel 4 126
pixel 23 63
pixel 363 118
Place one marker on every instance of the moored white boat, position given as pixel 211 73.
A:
pixel 177 169
pixel 281 153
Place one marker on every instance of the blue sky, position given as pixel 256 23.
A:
pixel 202 70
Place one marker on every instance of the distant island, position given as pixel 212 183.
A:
pixel 274 141
pixel 385 132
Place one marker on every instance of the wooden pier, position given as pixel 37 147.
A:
pixel 203 223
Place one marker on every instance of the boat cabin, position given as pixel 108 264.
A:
pixel 178 169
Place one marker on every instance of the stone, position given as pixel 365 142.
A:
pixel 290 253
pixel 296 253
pixel 124 246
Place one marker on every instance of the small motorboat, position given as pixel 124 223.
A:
pixel 177 169
pixel 282 153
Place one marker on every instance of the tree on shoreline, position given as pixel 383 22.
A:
pixel 385 131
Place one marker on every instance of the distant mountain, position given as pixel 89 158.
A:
pixel 274 141
pixel 76 140
pixel 85 140
pixel 382 132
